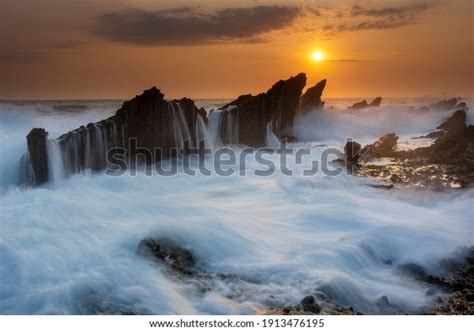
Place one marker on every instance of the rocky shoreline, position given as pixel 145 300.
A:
pixel 447 163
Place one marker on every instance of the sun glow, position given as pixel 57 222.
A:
pixel 317 56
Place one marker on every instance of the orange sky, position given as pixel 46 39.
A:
pixel 104 49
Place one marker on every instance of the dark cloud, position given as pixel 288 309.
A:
pixel 195 25
pixel 20 57
pixel 399 12
pixel 384 18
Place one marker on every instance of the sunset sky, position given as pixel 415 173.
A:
pixel 114 49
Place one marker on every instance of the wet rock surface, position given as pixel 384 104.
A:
pixel 308 306
pixel 451 289
pixel 38 156
pixel 448 162
pixel 169 253
pixel 244 120
pixel 455 123
pixel 152 121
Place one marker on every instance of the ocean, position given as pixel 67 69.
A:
pixel 69 246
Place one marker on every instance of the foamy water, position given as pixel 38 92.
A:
pixel 71 244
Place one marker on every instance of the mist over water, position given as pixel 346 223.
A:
pixel 69 245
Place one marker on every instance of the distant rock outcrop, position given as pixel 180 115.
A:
pixel 311 99
pixel 363 104
pixel 448 104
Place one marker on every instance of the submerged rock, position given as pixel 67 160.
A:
pixel 169 253
pixel 414 270
pixel 309 305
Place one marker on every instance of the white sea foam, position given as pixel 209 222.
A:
pixel 70 247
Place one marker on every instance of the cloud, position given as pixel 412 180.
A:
pixel 386 18
pixel 399 12
pixel 360 17
pixel 20 57
pixel 195 25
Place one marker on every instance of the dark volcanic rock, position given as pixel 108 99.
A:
pixel 363 104
pixel 434 134
pixel 460 283
pixel 37 149
pixel 383 147
pixel 311 99
pixel 414 271
pixel 454 148
pixel 245 119
pixel 168 252
pixel 309 305
pixel 455 123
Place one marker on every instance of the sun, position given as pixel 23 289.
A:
pixel 317 56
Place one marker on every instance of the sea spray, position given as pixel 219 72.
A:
pixel 271 140
pixel 55 162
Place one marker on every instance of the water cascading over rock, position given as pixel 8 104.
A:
pixel 155 123
pixel 254 120
pixel 148 118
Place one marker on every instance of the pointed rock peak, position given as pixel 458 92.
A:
pixel 311 99
pixel 376 102
pixel 297 81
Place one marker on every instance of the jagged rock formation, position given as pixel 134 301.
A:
pixel 311 99
pixel 363 104
pixel 448 104
pixel 383 147
pixel 244 120
pixel 157 124
pixel 455 123
pixel 149 118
